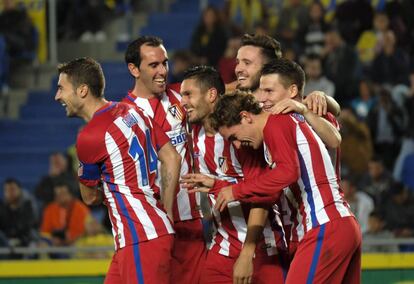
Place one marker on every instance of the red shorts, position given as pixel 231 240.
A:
pixel 219 269
pixel 189 252
pixel 146 262
pixel 330 253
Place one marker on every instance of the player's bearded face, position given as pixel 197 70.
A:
pixel 194 101
pixel 249 64
pixel 66 95
pixel 153 69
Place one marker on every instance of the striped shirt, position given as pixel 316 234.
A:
pixel 118 149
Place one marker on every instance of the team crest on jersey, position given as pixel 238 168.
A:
pixel 298 117
pixel 176 112
pixel 222 162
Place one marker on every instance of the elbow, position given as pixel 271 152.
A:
pixel 335 142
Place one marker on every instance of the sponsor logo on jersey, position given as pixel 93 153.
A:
pixel 176 112
pixel 222 162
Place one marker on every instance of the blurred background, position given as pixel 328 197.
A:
pixel 358 51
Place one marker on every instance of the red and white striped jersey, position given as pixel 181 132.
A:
pixel 302 170
pixel 169 115
pixel 218 158
pixel 118 148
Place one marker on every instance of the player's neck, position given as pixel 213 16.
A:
pixel 140 91
pixel 90 108
pixel 261 119
pixel 209 130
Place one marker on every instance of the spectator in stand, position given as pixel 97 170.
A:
pixel 87 20
pixel 391 65
pixel 245 14
pixel 376 230
pixel 181 61
pixel 366 100
pixel 209 39
pixel 95 236
pixel 356 142
pixel 64 218
pixel 313 36
pixel 315 79
pixel 377 182
pixel 399 211
pixel 386 123
pixel 227 63
pixel 371 41
pixel 341 66
pixel 352 18
pixel 361 203
pixel 292 23
pixel 18 223
pixel 18 39
pixel 18 29
pixel 59 170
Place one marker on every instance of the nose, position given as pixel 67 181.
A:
pixel 237 69
pixel 57 95
pixel 163 69
pixel 183 102
pixel 236 144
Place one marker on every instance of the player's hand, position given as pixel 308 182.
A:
pixel 243 270
pixel 316 102
pixel 288 105
pixel 197 182
pixel 224 197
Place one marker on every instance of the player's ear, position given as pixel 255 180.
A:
pixel 83 90
pixel 246 116
pixel 212 95
pixel 134 70
pixel 293 91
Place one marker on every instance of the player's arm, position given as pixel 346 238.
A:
pixel 325 130
pixel 91 195
pixel 267 188
pixel 170 172
pixel 243 268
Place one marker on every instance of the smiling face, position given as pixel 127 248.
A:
pixel 196 103
pixel 152 72
pixel 68 96
pixel 273 91
pixel 245 134
pixel 249 64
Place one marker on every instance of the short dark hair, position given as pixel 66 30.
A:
pixel 207 77
pixel 290 72
pixel 133 52
pixel 12 180
pixel 270 47
pixel 227 110
pixel 86 71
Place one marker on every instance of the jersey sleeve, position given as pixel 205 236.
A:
pixel 280 136
pixel 91 156
pixel 160 135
